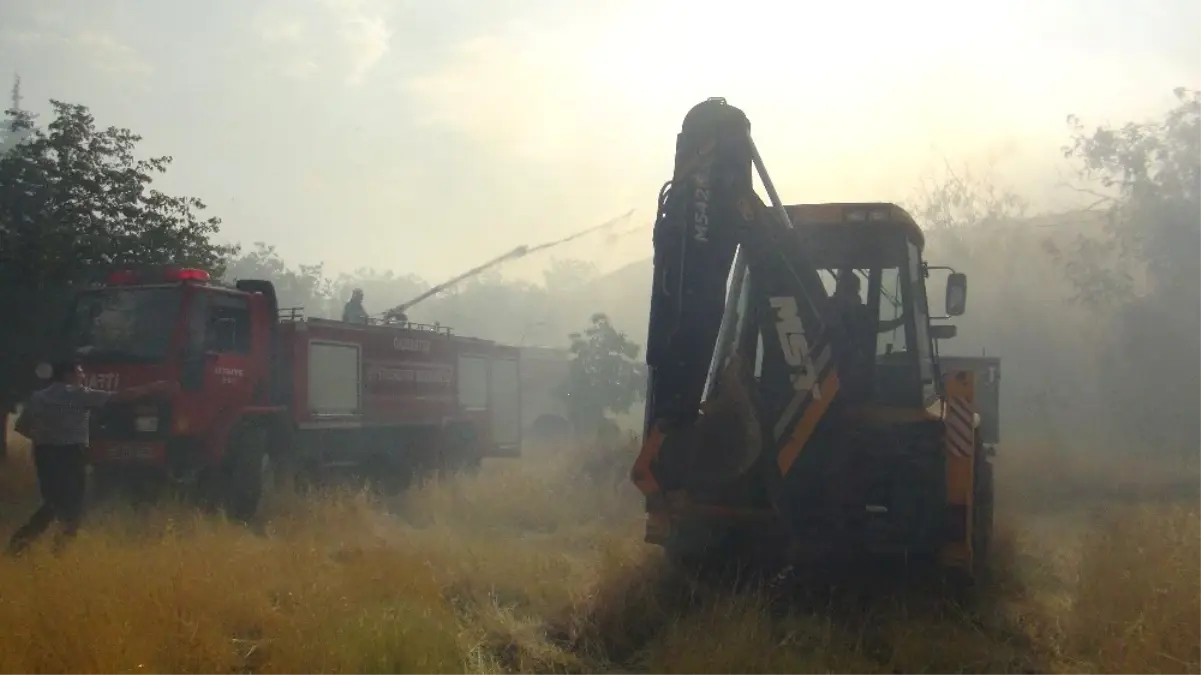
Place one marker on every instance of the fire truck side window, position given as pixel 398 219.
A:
pixel 227 329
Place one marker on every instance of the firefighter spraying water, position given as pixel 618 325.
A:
pixel 398 313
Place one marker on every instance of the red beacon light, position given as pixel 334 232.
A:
pixel 122 278
pixel 185 274
pixel 164 276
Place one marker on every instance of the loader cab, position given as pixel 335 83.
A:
pixel 881 246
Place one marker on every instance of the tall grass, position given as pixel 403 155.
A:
pixel 538 566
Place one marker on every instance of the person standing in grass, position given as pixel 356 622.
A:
pixel 56 420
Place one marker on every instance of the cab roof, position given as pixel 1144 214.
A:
pixel 854 214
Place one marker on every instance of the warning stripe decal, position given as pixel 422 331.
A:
pixel 809 419
pixel 960 436
pixel 806 390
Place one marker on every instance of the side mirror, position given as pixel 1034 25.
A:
pixel 956 302
pixel 943 331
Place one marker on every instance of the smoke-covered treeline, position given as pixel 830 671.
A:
pixel 1095 312
pixel 488 305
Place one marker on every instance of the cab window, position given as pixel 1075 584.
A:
pixel 891 337
pixel 921 320
pixel 227 325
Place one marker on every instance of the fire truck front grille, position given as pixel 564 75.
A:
pixel 135 421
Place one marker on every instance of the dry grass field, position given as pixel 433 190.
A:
pixel 537 566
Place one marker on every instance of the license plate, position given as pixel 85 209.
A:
pixel 131 453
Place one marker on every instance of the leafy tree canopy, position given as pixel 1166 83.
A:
pixel 76 200
pixel 1150 176
pixel 1141 273
pixel 605 375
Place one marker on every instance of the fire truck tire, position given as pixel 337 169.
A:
pixel 243 472
pixel 309 476
pixel 459 454
pixel 388 475
pixel 282 462
pixel 458 460
pixel 550 429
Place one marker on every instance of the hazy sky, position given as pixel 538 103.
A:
pixel 426 136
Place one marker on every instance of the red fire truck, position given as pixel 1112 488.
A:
pixel 264 387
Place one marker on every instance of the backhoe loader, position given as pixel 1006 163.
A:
pixel 796 407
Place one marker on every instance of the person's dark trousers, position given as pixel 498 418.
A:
pixel 62 480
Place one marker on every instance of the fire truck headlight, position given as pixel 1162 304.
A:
pixel 146 424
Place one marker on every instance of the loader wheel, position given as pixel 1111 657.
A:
pixel 982 513
pixel 706 548
pixel 243 473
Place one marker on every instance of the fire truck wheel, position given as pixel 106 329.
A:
pixel 243 472
pixel 388 475
pixel 459 460
pixel 307 477
pixel 459 454
pixel 282 464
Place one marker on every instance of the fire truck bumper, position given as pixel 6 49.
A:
pixel 128 453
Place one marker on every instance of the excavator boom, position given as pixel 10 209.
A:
pixel 726 264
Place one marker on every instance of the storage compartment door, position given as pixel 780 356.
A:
pixel 335 379
pixel 473 383
pixel 504 394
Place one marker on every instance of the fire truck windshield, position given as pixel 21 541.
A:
pixel 125 324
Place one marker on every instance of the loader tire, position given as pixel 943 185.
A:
pixel 707 549
pixel 982 513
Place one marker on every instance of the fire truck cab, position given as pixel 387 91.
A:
pixel 263 387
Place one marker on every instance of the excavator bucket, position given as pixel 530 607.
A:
pixel 726 440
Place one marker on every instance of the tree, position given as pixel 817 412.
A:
pixel 304 286
pixel 17 128
pixel 963 198
pixel 604 376
pixel 1141 271
pixel 75 200
pixel 1151 173
pixel 566 275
